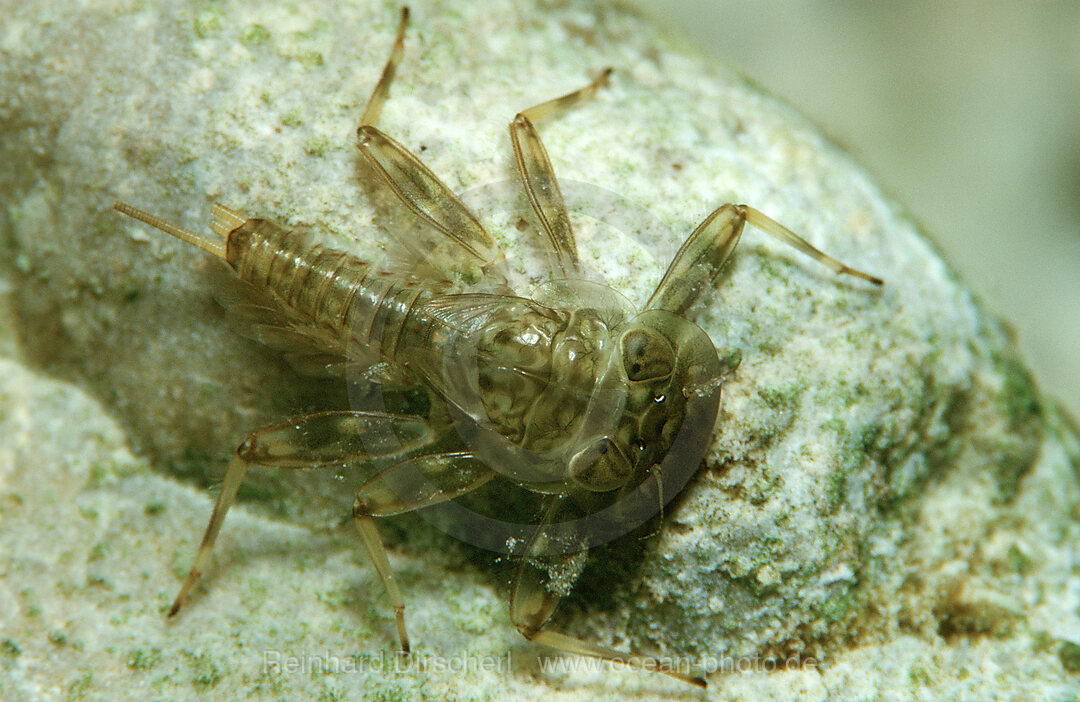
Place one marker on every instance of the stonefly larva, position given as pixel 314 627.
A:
pixel 569 394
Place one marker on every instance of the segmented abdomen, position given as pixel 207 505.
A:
pixel 330 289
pixel 517 367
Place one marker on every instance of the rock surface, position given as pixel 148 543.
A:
pixel 889 507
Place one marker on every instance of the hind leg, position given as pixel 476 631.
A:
pixel 339 440
pixel 382 88
pixel 412 182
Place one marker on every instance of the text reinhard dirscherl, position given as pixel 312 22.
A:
pixel 275 662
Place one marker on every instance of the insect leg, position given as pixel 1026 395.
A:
pixel 411 181
pixel 778 231
pixel 233 477
pixel 339 439
pixel 422 192
pixel 536 594
pixel 419 482
pixel 565 102
pixel 699 261
pixel 382 88
pixel 538 176
pixel 702 256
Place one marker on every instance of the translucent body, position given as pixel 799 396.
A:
pixel 578 389
pixel 603 411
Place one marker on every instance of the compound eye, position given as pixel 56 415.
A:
pixel 646 355
pixel 601 466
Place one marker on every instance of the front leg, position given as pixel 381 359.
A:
pixel 698 264
pixel 550 562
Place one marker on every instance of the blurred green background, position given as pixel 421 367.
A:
pixel 967 113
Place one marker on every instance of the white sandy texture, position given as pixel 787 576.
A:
pixel 888 509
